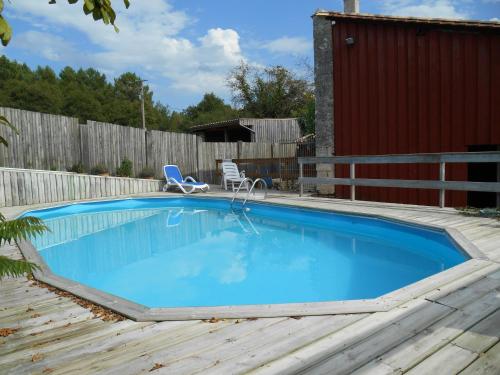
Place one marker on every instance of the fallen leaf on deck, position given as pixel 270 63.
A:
pixel 36 357
pixel 156 367
pixel 4 332
pixel 212 320
pixel 98 311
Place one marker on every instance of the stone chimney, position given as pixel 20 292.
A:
pixel 351 6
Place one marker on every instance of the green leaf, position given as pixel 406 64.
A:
pixel 96 14
pixel 5 31
pixel 20 229
pixel 105 17
pixel 15 268
pixel 127 3
pixel 1 6
pixel 72 1
pixel 14 230
pixel 88 6
pixel 3 141
pixel 5 122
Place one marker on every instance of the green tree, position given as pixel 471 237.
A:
pixel 100 10
pixel 81 102
pixel 307 115
pixel 128 86
pixel 40 96
pixel 210 109
pixel 270 92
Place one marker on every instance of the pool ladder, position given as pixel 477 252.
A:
pixel 245 181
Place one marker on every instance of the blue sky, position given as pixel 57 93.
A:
pixel 186 47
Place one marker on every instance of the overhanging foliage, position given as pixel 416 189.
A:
pixel 99 9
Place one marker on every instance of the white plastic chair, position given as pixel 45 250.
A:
pixel 231 175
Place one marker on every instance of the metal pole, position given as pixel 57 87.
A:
pixel 442 178
pixel 142 106
pixel 353 176
pixel 301 174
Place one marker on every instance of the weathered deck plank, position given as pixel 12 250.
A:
pixel 486 364
pixel 440 334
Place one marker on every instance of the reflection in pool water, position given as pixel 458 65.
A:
pixel 197 252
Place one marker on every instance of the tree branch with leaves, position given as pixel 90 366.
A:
pixel 99 9
pixel 13 231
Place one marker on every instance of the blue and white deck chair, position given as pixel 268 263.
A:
pixel 187 185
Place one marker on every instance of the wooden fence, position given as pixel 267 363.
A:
pixel 44 141
pixel 58 142
pixel 172 148
pixel 109 144
pixel 208 153
pixel 20 187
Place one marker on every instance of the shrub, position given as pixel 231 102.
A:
pixel 125 169
pixel 99 169
pixel 77 168
pixel 147 172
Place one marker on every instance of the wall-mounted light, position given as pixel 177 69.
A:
pixel 350 41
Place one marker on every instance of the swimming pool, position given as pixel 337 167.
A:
pixel 198 252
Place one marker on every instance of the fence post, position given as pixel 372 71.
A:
pixel 301 174
pixel 442 178
pixel 239 146
pixel 353 176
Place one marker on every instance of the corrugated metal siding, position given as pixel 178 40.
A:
pixel 410 89
pixel 274 130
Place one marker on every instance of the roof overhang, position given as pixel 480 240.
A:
pixel 410 20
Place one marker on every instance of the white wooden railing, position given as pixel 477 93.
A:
pixel 439 158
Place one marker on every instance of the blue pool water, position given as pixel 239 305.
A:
pixel 177 252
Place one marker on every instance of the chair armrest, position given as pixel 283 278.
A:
pixel 189 178
pixel 242 174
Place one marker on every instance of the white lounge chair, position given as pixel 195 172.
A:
pixel 175 216
pixel 187 185
pixel 231 175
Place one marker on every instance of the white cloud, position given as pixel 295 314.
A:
pixel 495 19
pixel 426 8
pixel 150 39
pixel 289 45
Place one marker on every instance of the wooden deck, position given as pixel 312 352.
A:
pixel 453 329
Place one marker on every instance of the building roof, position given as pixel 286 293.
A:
pixel 243 122
pixel 398 19
pixel 215 125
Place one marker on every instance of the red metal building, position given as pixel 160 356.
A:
pixel 407 85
